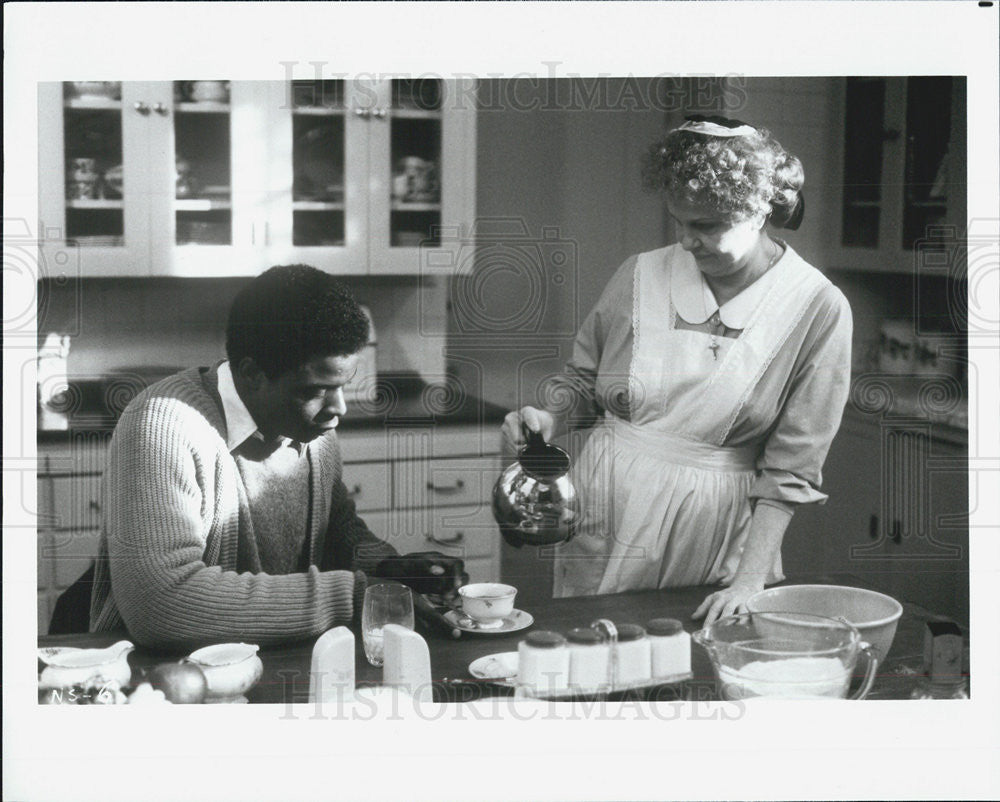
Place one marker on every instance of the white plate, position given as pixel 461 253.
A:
pixel 516 621
pixel 499 668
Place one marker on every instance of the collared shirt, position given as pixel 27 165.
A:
pixel 240 425
pixel 695 303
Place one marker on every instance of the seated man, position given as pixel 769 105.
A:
pixel 225 516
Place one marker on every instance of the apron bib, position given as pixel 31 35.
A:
pixel 666 503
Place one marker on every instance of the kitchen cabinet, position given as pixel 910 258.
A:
pixel 421 488
pixel 896 517
pixel 439 492
pixel 69 508
pixel 214 178
pixel 903 166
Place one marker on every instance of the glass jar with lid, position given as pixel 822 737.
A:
pixel 670 646
pixel 633 656
pixel 543 663
pixel 588 659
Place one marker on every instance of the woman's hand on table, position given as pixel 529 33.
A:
pixel 727 601
pixel 538 420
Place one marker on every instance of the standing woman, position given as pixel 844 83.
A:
pixel 717 369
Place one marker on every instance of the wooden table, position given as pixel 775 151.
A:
pixel 286 668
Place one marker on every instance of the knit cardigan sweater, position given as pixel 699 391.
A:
pixel 177 562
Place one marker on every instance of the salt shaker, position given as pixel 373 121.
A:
pixel 634 655
pixel 331 671
pixel 588 659
pixel 543 662
pixel 670 646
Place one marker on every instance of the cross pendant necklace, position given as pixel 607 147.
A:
pixel 715 321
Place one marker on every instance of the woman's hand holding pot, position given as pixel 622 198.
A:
pixel 538 420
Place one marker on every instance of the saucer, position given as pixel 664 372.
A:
pixel 516 621
pixel 499 668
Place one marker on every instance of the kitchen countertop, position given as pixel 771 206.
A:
pixel 397 399
pixel 938 401
pixel 286 668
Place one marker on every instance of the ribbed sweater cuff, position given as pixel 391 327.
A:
pixel 360 585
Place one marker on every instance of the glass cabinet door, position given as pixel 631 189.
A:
pixel 926 181
pixel 317 175
pixel 423 181
pixel 92 189
pixel 210 151
pixel 203 186
pixel 415 159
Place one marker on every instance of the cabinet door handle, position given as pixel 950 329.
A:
pixel 873 527
pixel 161 109
pixel 141 107
pixel 364 114
pixel 459 484
pixel 354 491
pixel 379 114
pixel 897 532
pixel 447 541
pixel 94 505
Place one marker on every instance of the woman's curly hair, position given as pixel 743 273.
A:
pixel 742 176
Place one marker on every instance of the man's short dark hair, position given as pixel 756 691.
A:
pixel 290 314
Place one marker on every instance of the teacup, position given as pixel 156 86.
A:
pixel 96 89
pixel 415 180
pixel 82 169
pixel 81 190
pixel 208 91
pixel 487 603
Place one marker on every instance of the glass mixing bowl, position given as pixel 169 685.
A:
pixel 785 655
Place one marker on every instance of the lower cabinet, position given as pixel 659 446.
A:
pixel 69 514
pixel 897 516
pixel 441 486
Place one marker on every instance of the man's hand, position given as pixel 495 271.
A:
pixel 428 572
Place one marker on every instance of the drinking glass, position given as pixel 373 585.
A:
pixel 384 604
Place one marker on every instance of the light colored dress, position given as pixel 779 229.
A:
pixel 688 440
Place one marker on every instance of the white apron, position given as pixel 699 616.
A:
pixel 665 502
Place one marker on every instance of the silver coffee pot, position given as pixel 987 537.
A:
pixel 534 501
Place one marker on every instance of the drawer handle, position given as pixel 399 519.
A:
pixel 354 491
pixel 459 484
pixel 447 541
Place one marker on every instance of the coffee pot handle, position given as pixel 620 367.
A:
pixel 869 680
pixel 532 438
